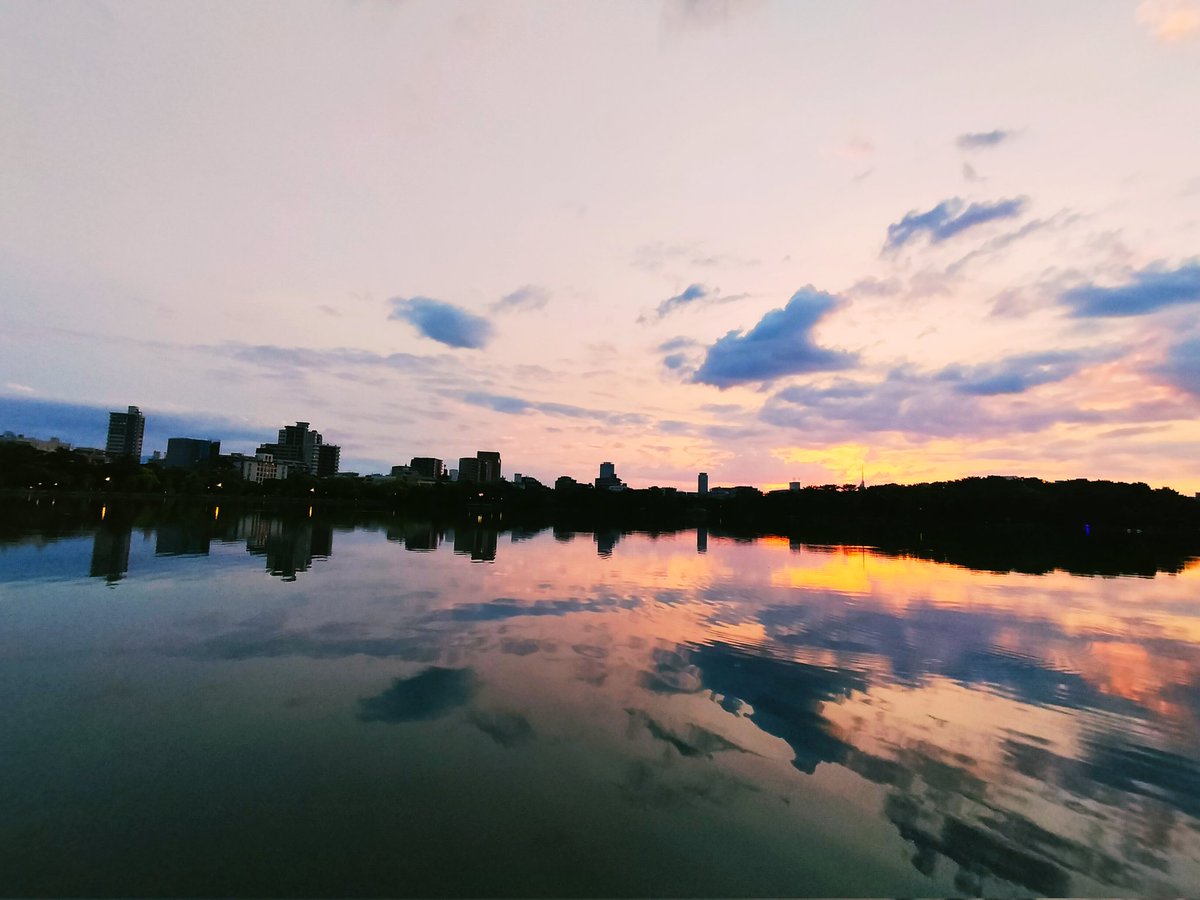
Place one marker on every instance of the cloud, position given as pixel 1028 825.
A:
pixel 982 140
pixel 503 403
pixel 1170 20
pixel 948 219
pixel 1016 374
pixel 779 345
pixel 675 344
pixel 654 256
pixel 695 295
pixel 508 729
pixel 443 322
pixel 1181 368
pixel 950 403
pixel 700 15
pixel 87 424
pixel 527 298
pixel 428 695
pixel 1151 289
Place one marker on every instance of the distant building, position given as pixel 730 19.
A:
pixel 188 453
pixel 427 466
pixel 301 448
pixel 125 431
pixel 36 443
pixel 702 483
pixel 608 480
pixel 468 468
pixel 483 467
pixel 408 475
pixel 329 457
pixel 489 466
pixel 262 467
pixel 565 483
pixel 794 485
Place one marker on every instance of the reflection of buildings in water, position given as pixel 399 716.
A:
pixel 182 539
pixel 421 536
pixel 605 541
pixel 701 539
pixel 477 541
pixel 110 552
pixel 289 545
pixel 563 535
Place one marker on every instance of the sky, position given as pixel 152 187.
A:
pixel 770 241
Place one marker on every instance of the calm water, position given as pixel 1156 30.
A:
pixel 231 703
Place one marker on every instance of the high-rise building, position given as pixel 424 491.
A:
pixel 188 453
pixel 304 450
pixel 427 467
pixel 125 432
pixel 702 483
pixel 489 466
pixel 608 480
pixel 329 457
pixel 468 468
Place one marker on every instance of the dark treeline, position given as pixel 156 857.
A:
pixel 995 523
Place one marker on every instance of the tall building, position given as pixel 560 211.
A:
pixel 125 432
pixel 468 468
pixel 329 457
pixel 427 467
pixel 608 480
pixel 489 466
pixel 702 483
pixel 188 453
pixel 302 449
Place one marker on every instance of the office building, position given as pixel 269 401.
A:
pixel 125 431
pixel 329 456
pixel 188 453
pixel 489 466
pixel 427 467
pixel 608 480
pixel 262 467
pixel 468 469
pixel 304 450
pixel 702 484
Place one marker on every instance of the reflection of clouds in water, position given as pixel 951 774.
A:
pixel 664 785
pixel 509 608
pixel 691 740
pixel 520 646
pixel 508 729
pixel 958 812
pixel 425 696
pixel 671 673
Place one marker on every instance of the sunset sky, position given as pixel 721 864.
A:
pixel 773 241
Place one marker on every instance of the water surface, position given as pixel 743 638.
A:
pixel 235 703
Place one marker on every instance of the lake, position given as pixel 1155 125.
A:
pixel 217 702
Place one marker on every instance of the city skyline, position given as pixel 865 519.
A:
pixel 772 242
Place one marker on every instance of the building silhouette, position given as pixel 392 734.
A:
pixel 702 483
pixel 303 450
pixel 489 466
pixel 125 431
pixel 608 480
pixel 188 453
pixel 427 467
pixel 483 467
